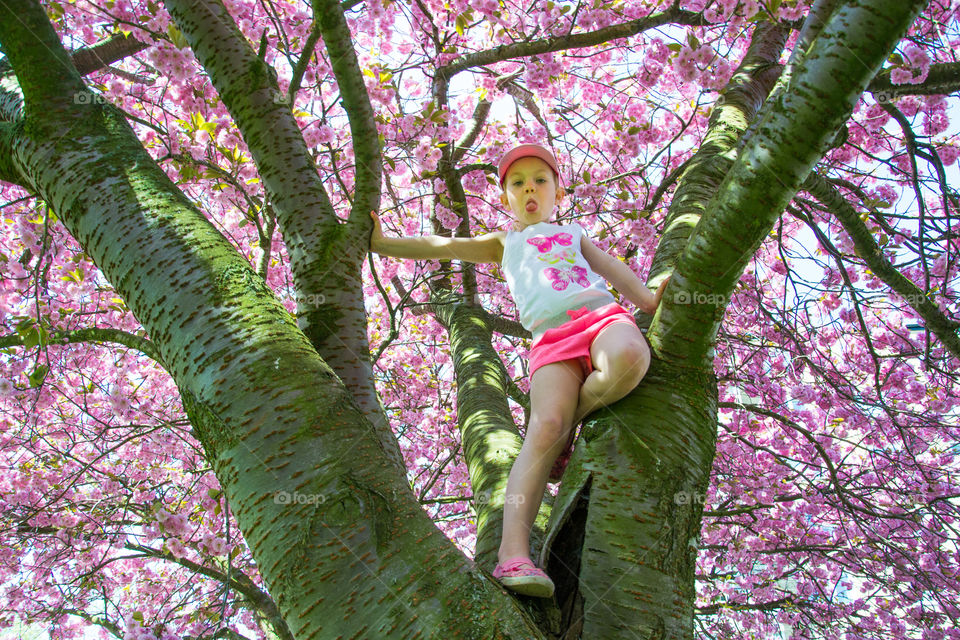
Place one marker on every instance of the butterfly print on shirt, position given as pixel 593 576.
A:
pixel 545 243
pixel 562 277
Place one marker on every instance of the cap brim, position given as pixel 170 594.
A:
pixel 526 151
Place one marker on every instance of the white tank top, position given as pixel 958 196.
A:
pixel 548 275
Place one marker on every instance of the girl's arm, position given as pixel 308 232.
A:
pixel 622 277
pixel 485 248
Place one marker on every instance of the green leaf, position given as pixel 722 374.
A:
pixel 31 338
pixel 37 376
pixel 673 46
pixel 176 37
pixel 586 176
pixel 24 326
pixel 692 39
pixel 73 276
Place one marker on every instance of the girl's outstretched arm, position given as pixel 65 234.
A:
pixel 485 248
pixel 622 277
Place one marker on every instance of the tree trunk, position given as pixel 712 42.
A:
pixel 325 254
pixel 342 544
pixel 491 440
pixel 340 541
pixel 643 466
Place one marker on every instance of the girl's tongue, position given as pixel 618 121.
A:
pixel 531 206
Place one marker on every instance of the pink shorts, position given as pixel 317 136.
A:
pixel 572 339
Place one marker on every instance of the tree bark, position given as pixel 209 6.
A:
pixel 491 440
pixel 941 79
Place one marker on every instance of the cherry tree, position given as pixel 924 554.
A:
pixel 220 417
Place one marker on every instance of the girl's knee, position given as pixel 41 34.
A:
pixel 631 363
pixel 546 431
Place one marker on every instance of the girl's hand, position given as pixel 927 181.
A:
pixel 659 294
pixel 377 234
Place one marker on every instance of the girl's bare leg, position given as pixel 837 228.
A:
pixel 553 400
pixel 620 358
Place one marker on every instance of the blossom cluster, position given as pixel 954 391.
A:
pixel 835 468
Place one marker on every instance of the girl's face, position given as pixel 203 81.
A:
pixel 530 191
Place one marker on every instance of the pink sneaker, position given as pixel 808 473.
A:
pixel 521 575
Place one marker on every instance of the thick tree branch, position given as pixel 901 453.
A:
pixel 235 580
pixel 791 135
pixel 270 413
pixel 365 138
pixel 60 83
pixel 674 15
pixel 942 78
pixel 8 170
pixel 94 334
pixel 490 438
pixel 248 88
pixel 105 53
pixel 96 57
pixel 702 173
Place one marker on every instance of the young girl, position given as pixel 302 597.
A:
pixel 587 351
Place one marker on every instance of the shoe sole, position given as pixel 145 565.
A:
pixel 529 586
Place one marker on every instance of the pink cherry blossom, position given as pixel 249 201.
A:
pixel 831 507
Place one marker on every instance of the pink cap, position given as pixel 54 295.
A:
pixel 527 151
